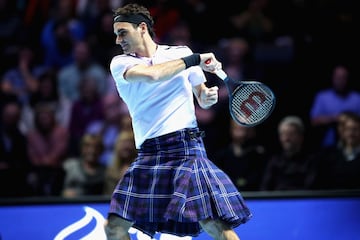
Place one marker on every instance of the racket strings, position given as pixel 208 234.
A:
pixel 252 103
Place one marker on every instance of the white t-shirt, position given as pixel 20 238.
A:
pixel 161 107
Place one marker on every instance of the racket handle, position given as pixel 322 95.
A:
pixel 220 73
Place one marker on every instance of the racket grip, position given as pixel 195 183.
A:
pixel 221 74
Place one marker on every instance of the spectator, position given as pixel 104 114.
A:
pixel 199 13
pixel 11 30
pixel 123 155
pixel 166 15
pixel 244 159
pixel 14 162
pixel 339 166
pixel 88 108
pixel 22 79
pixel 340 129
pixel 59 34
pixel 101 39
pixel 85 175
pixel 47 92
pixel 84 64
pixel 292 167
pixel 253 23
pixel 90 11
pixel 329 103
pixel 110 126
pixel 47 149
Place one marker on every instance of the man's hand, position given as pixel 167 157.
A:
pixel 209 63
pixel 208 96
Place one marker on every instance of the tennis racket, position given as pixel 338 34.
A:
pixel 250 103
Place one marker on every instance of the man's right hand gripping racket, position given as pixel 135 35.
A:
pixel 250 103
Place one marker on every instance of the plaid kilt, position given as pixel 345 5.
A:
pixel 172 185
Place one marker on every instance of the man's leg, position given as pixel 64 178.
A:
pixel 117 228
pixel 218 230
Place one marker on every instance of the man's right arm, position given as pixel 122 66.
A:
pixel 166 70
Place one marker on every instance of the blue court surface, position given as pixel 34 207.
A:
pixel 285 218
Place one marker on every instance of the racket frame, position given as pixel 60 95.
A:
pixel 269 93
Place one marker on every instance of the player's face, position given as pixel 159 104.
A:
pixel 127 36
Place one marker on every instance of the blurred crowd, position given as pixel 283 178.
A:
pixel 64 130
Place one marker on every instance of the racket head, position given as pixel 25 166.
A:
pixel 251 103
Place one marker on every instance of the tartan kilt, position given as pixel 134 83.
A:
pixel 172 185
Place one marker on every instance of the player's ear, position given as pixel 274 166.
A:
pixel 143 27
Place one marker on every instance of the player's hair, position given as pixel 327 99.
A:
pixel 133 9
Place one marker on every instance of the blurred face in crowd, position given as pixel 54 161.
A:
pixel 240 133
pixel 340 79
pixel 91 148
pixel 82 54
pixel 291 137
pixel 88 88
pixel 45 118
pixel 112 108
pixel 351 132
pixel 125 147
pixel 10 116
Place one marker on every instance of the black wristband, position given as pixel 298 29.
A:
pixel 192 60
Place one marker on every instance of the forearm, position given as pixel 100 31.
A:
pixel 155 73
pixel 166 70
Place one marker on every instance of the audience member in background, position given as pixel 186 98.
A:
pixel 340 128
pixel 101 39
pixel 14 162
pixel 237 62
pixel 47 92
pixel 22 79
pixel 244 159
pixel 329 103
pixel 123 155
pixel 34 15
pixel 70 75
pixel 59 33
pixel 11 30
pixel 85 175
pixel 253 23
pixel 86 109
pixel 166 15
pixel 339 166
pixel 110 126
pixel 292 168
pixel 89 12
pixel 197 14
pixel 47 149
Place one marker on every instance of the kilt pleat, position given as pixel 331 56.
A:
pixel 172 185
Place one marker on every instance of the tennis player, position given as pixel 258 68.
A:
pixel 172 187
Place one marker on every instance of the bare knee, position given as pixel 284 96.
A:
pixel 117 228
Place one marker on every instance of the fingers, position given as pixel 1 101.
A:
pixel 212 92
pixel 210 96
pixel 209 62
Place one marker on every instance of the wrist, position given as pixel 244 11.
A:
pixel 191 60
